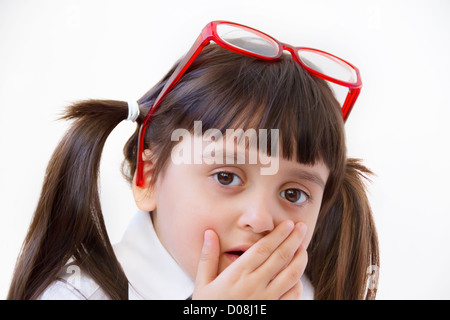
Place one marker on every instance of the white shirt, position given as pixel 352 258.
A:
pixel 151 271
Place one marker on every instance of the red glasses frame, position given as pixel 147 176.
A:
pixel 208 34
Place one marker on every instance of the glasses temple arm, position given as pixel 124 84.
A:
pixel 350 102
pixel 202 40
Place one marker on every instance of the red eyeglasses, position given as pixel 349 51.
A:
pixel 253 43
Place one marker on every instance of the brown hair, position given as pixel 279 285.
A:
pixel 223 90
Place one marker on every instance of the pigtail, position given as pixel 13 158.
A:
pixel 68 221
pixel 344 249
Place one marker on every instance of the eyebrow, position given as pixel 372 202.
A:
pixel 305 175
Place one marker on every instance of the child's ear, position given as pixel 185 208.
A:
pixel 144 196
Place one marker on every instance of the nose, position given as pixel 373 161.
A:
pixel 257 215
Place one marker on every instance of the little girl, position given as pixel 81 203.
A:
pixel 215 225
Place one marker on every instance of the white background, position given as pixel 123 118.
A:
pixel 55 52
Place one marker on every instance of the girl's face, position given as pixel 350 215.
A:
pixel 234 200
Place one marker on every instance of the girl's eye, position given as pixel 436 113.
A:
pixel 296 196
pixel 227 178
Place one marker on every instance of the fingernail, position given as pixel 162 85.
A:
pixel 207 237
pixel 302 228
pixel 290 225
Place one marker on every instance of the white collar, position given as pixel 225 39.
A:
pixel 152 272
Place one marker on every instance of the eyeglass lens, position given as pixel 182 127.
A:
pixel 253 41
pixel 327 65
pixel 247 40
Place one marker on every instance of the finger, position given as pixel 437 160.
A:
pixel 263 249
pixel 207 269
pixel 294 293
pixel 284 254
pixel 289 276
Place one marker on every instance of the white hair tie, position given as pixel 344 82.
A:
pixel 133 110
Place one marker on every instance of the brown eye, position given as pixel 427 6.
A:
pixel 296 196
pixel 227 178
